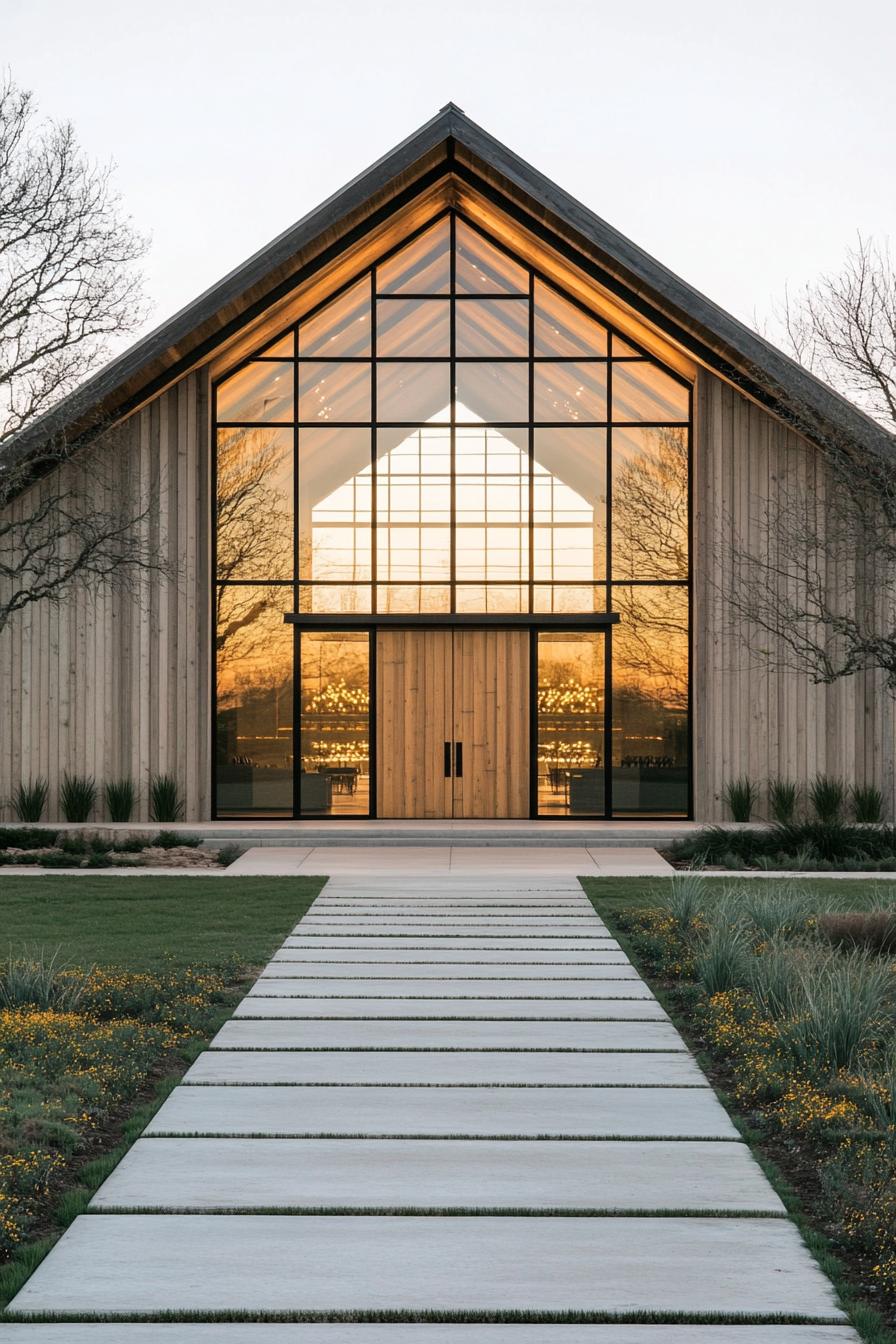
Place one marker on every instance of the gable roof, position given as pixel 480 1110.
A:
pixel 452 143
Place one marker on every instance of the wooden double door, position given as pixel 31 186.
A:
pixel 452 723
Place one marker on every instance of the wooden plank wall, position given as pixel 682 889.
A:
pixel 117 682
pixel 750 718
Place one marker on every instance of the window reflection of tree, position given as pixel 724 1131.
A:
pixel 650 643
pixel 254 537
pixel 650 504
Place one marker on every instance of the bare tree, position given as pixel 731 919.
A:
pixel 68 288
pixel 815 583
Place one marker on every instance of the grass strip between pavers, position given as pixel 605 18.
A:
pixel 658 1087
pixel 459 1136
pixel 397 1316
pixel 420 1211
pixel 432 1049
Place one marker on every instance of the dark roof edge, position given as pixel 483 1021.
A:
pixel 747 359
pixel 175 329
pixel 760 363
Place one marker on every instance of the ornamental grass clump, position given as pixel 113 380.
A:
pixel 77 796
pixel 685 901
pixel 29 800
pixel 120 795
pixel 722 962
pixel 778 908
pixel 740 796
pixel 828 797
pixel 165 802
pixel 867 803
pixel 783 795
pixel 847 1008
pixel 40 979
pixel 873 930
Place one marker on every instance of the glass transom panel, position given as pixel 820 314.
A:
pixel 440 436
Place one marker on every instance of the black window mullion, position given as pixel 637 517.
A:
pixel 452 290
pixel 608 590
pixel 531 441
pixel 374 484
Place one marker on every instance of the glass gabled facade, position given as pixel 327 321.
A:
pixel 451 435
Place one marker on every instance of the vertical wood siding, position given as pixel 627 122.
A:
pixel 116 682
pixel 749 717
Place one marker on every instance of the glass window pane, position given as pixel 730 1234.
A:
pixel 254 504
pixel 285 348
pixel 334 392
pixel 420 327
pixel 482 268
pixel 335 489
pixel 570 392
pixel 412 598
pixel 412 392
pixel 570 709
pixel 342 327
pixel 645 392
pixel 492 327
pixel 422 267
pixel 346 598
pixel 261 392
pixel 622 349
pixel 494 598
pixel 569 504
pixel 563 329
pixel 650 503
pixel 414 505
pixel 492 392
pixel 569 598
pixel 335 732
pixel 650 701
pixel 253 737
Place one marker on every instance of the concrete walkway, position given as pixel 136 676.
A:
pixel 431 860
pixel 442 1098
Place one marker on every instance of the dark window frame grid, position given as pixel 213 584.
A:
pixel 605 583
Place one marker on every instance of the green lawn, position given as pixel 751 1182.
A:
pixel 145 923
pixel 168 957
pixel 614 894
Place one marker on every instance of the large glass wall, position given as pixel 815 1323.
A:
pixel 451 433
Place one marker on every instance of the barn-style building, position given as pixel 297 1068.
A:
pixel 446 481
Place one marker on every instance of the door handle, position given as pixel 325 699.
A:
pixel 458 760
pixel 447 760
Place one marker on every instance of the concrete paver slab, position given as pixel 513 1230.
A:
pixel 497 901
pixel 648 1112
pixel 357 1333
pixel 308 953
pixel 249 1034
pixel 202 1262
pixel 472 929
pixel 333 1009
pixel 543 1068
pixel 465 977
pixel 269 986
pixel 464 1173
pixel 537 941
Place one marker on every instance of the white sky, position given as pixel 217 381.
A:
pixel 743 145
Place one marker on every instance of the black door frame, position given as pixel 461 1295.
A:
pixel 532 621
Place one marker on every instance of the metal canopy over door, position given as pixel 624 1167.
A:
pixel 453 723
